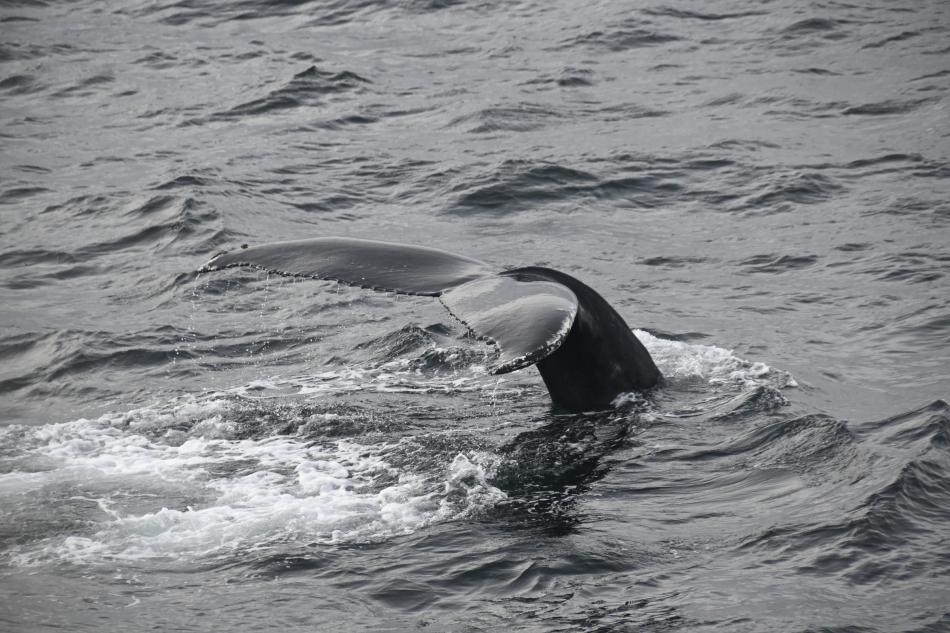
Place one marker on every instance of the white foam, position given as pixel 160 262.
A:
pixel 397 376
pixel 242 493
pixel 675 359
pixel 715 365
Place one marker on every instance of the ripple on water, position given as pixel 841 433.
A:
pixel 900 492
pixel 519 118
pixel 894 106
pixel 308 88
pixel 625 36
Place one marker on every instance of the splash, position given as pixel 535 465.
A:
pixel 717 366
pixel 148 495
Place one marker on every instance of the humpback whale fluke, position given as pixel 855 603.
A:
pixel 585 352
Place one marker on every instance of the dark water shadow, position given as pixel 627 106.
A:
pixel 547 469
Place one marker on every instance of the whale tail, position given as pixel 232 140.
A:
pixel 585 352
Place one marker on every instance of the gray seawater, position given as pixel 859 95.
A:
pixel 762 189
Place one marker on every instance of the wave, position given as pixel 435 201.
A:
pixel 626 36
pixel 519 186
pixel 308 88
pixel 881 108
pixel 520 118
pixel 899 494
pixel 699 15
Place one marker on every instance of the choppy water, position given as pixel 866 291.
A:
pixel 763 188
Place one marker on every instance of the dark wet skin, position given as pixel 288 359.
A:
pixel 585 352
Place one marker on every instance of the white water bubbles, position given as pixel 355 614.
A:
pixel 144 491
pixel 706 380
pixel 680 361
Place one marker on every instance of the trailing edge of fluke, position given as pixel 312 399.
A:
pixel 585 352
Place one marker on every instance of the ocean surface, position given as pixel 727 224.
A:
pixel 762 190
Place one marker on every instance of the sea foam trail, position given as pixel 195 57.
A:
pixel 233 494
pixel 181 480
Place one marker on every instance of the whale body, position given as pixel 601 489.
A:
pixel 585 352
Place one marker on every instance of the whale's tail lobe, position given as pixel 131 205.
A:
pixel 413 270
pixel 585 352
